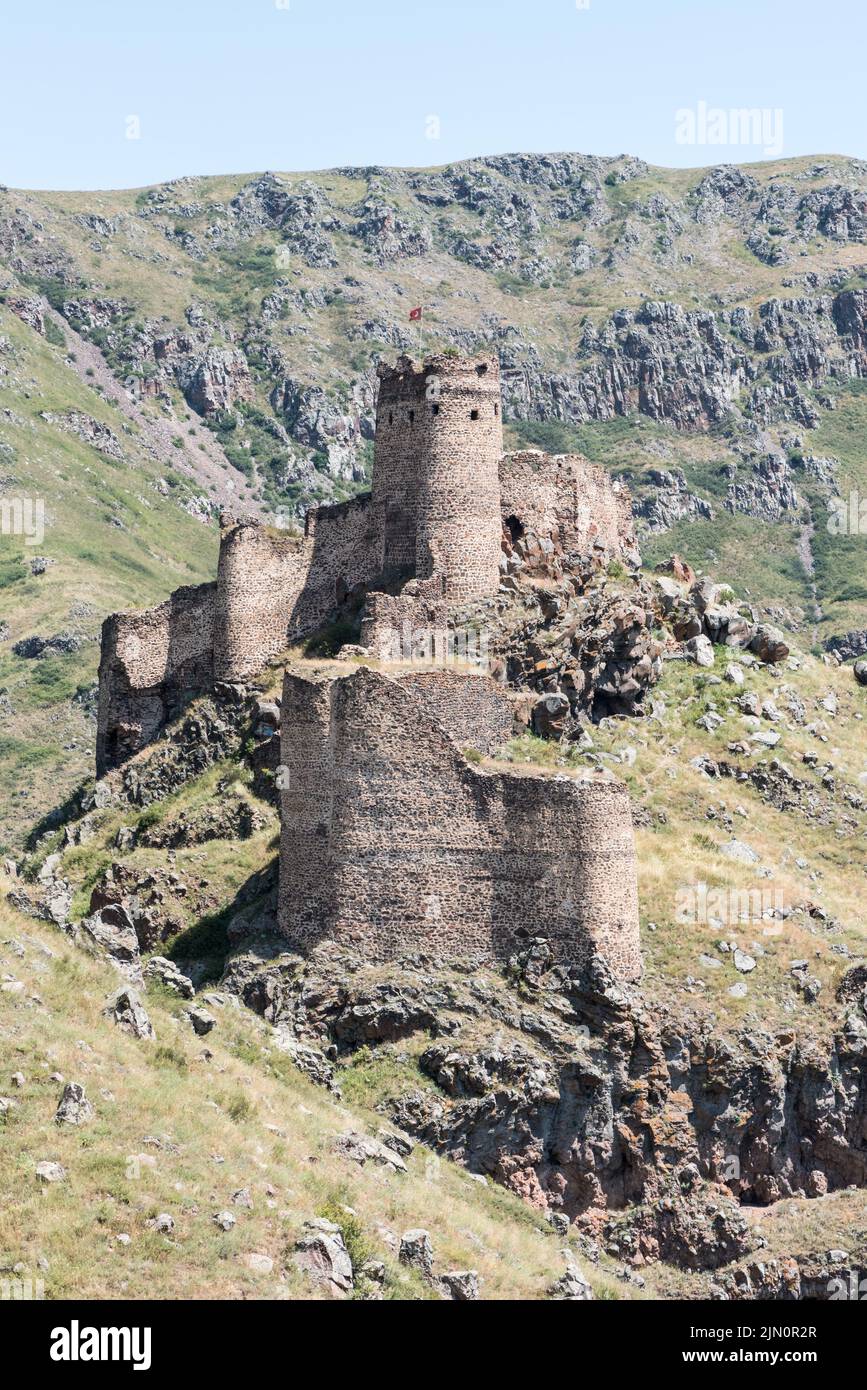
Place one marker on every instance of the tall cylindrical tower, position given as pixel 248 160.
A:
pixel 439 438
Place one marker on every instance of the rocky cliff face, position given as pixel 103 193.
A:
pixel 288 287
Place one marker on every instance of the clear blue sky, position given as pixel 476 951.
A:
pixel 228 86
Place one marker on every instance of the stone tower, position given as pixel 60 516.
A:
pixel 439 438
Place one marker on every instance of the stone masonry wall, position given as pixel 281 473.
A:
pixel 474 711
pixel 274 588
pixel 442 489
pixel 393 624
pixel 151 663
pixel 439 436
pixel 566 497
pixel 392 840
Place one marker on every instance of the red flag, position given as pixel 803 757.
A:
pixel 415 314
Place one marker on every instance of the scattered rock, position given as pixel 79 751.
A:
pixel 167 974
pixel 201 1020
pixel 416 1250
pixel 323 1256
pixel 699 650
pixel 361 1149
pixel 74 1107
pixel 571 1287
pixel 769 644
pixel 46 1171
pixel 461 1285
pixel 128 1012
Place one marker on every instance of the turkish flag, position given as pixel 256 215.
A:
pixel 415 313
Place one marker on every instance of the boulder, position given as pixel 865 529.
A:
pixel 74 1107
pixel 571 1287
pixel 417 1252
pixel 360 1149
pixel 769 644
pixel 166 973
pixel 461 1285
pixel 699 650
pixel 266 719
pixel 323 1256
pixel 111 934
pixel 678 568
pixel 201 1020
pixel 859 671
pixel 126 1010
pixel 551 715
pixel 46 1171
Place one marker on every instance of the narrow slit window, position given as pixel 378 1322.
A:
pixel 434 410
pixel 474 415
pixel 411 416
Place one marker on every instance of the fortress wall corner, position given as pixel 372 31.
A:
pixel 274 589
pixel 259 578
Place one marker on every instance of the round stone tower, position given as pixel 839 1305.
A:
pixel 439 438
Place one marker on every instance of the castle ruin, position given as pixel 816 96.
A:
pixel 389 833
pixel 426 537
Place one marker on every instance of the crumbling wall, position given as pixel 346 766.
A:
pixel 151 664
pixel 393 841
pixel 405 626
pixel 565 497
pixel 442 492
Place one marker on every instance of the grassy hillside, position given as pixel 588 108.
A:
pixel 181 1125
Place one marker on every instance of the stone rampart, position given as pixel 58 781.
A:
pixel 394 842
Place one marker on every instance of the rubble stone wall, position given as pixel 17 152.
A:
pixel 393 626
pixel 474 711
pixel 567 498
pixel 442 491
pixel 393 841
pixel 151 663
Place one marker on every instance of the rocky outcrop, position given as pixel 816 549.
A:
pixel 212 379
pixel 647 1128
pixel 670 501
pixel 100 436
pixel 585 647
